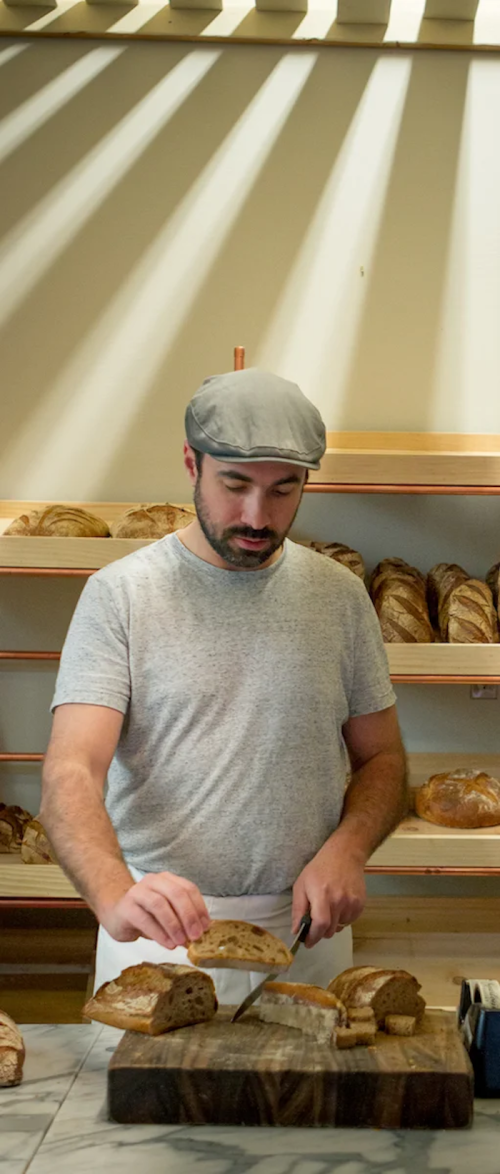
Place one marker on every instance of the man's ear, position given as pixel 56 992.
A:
pixel 190 463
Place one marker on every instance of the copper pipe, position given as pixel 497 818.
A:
pixel 430 870
pixel 444 679
pixel 30 655
pixel 22 757
pixel 239 358
pixel 47 571
pixel 432 490
pixel 41 903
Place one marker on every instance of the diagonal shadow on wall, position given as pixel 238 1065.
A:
pixel 244 284
pixel 390 381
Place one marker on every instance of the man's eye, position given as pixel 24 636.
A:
pixel 235 488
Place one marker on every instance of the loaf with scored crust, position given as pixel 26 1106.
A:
pixel 398 594
pixel 154 998
pixel 387 992
pixel 459 799
pixel 12 1052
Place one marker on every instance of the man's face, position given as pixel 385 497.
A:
pixel 246 510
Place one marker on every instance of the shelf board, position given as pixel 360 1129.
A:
pixel 409 462
pixel 451 663
pixel 18 879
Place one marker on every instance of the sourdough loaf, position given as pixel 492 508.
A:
pixel 303 1006
pixel 239 945
pixel 59 521
pixel 154 998
pixel 12 1051
pixel 459 799
pixel 387 992
pixel 461 608
pixel 398 594
pixel 342 554
pixel 13 820
pixel 35 847
pixel 152 521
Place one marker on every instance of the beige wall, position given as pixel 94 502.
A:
pixel 334 212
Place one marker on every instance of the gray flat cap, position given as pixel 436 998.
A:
pixel 253 415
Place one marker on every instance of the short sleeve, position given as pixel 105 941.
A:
pixel 94 667
pixel 371 688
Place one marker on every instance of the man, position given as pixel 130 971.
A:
pixel 220 676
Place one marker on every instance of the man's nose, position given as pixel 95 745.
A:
pixel 255 512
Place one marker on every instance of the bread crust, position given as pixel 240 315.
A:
pixel 152 521
pixel 154 998
pixel 35 846
pixel 59 521
pixel 398 594
pixel 459 799
pixel 387 992
pixel 12 1052
pixel 239 945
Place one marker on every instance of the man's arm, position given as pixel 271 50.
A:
pixel 332 885
pixel 164 907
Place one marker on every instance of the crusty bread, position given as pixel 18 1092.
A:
pixel 154 998
pixel 12 1051
pixel 398 594
pixel 459 799
pixel 13 820
pixel 152 521
pixel 303 1006
pixel 239 945
pixel 400 1024
pixel 35 847
pixel 355 1036
pixel 387 992
pixel 360 1015
pixel 59 521
pixel 342 554
pixel 461 608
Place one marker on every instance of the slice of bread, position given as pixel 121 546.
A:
pixel 387 992
pixel 239 945
pixel 305 1007
pixel 154 998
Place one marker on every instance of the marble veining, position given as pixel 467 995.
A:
pixel 72 1131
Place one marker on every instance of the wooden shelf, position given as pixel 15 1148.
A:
pixel 409 462
pixel 18 879
pixel 444 663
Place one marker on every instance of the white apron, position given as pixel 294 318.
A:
pixel 274 913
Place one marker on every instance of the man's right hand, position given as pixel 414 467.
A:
pixel 162 906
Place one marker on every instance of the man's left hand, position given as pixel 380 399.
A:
pixel 332 889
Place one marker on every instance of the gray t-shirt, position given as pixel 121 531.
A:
pixel 231 766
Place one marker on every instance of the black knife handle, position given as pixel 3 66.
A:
pixel 305 925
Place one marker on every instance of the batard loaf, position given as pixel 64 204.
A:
pixel 12 1052
pixel 239 945
pixel 59 521
pixel 399 597
pixel 461 608
pixel 459 799
pixel 153 521
pixel 35 847
pixel 387 992
pixel 154 998
pixel 342 554
pixel 13 821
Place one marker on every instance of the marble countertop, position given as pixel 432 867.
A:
pixel 56 1122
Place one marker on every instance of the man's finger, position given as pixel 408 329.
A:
pixel 178 901
pixel 194 893
pixel 322 919
pixel 300 906
pixel 148 927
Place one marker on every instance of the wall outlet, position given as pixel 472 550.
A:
pixel 484 692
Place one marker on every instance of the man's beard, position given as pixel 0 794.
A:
pixel 221 543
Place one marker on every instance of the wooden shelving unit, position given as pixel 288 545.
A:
pixel 406 463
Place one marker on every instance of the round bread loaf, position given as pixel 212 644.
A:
pixel 153 521
pixel 35 847
pixel 59 521
pixel 460 799
pixel 13 820
pixel 342 554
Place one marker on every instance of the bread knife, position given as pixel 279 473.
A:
pixel 305 926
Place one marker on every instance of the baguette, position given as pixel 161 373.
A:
pixel 459 799
pixel 154 998
pixel 305 1007
pixel 239 945
pixel 12 1052
pixel 387 992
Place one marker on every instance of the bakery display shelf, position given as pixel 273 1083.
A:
pixel 33 881
pixel 409 462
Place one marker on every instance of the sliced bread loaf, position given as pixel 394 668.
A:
pixel 387 992
pixel 303 1006
pixel 239 945
pixel 153 998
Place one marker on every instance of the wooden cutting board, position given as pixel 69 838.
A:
pixel 253 1073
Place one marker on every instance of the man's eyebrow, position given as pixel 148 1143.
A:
pixel 232 475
